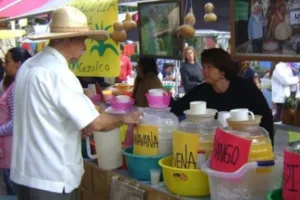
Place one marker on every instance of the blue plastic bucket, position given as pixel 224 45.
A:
pixel 139 166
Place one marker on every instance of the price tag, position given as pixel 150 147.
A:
pixel 291 176
pixel 230 152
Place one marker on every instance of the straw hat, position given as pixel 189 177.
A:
pixel 68 22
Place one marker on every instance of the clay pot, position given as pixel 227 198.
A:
pixel 190 18
pixel 129 24
pixel 288 116
pixel 119 35
pixel 209 8
pixel 210 17
pixel 186 31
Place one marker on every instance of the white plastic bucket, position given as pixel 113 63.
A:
pixel 244 184
pixel 108 148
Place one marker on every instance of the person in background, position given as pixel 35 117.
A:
pixel 257 81
pixel 168 72
pixel 190 70
pixel 146 79
pixel 126 67
pixel 1 69
pixel 50 111
pixel 14 58
pixel 283 83
pixel 267 74
pixel 255 28
pixel 246 71
pixel 223 89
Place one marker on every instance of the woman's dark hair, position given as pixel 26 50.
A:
pixel 166 65
pixel 148 65
pixel 18 54
pixel 221 60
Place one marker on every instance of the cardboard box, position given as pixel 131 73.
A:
pixel 96 184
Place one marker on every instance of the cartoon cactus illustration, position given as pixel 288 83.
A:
pixel 74 65
pixel 101 46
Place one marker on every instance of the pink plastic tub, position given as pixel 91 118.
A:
pixel 121 106
pixel 96 99
pixel 158 101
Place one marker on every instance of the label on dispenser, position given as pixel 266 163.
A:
pixel 185 148
pixel 145 140
pixel 291 176
pixel 230 152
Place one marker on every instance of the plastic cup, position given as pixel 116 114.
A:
pixel 155 176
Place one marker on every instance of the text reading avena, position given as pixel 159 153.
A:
pixel 185 159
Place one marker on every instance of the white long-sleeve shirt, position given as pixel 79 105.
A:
pixel 282 81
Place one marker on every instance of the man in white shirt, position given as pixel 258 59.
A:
pixel 283 83
pixel 51 110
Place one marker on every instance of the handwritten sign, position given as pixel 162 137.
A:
pixel 230 152
pixel 145 140
pixel 185 148
pixel 291 176
pixel 101 58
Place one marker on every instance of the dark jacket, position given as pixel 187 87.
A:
pixel 191 75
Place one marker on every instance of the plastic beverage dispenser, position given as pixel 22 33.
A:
pixel 193 140
pixel 205 130
pixel 261 146
pixel 254 179
pixel 153 136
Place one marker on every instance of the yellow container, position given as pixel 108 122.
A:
pixel 184 182
pixel 123 132
pixel 261 149
pixel 123 88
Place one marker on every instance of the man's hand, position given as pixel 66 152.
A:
pixel 132 118
pixel 86 132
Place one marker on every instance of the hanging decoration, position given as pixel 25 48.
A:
pixel 187 30
pixel 129 24
pixel 210 16
pixel 119 35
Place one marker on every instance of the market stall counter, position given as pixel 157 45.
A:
pixel 99 184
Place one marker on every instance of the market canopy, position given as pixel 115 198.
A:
pixel 47 7
pixel 12 8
